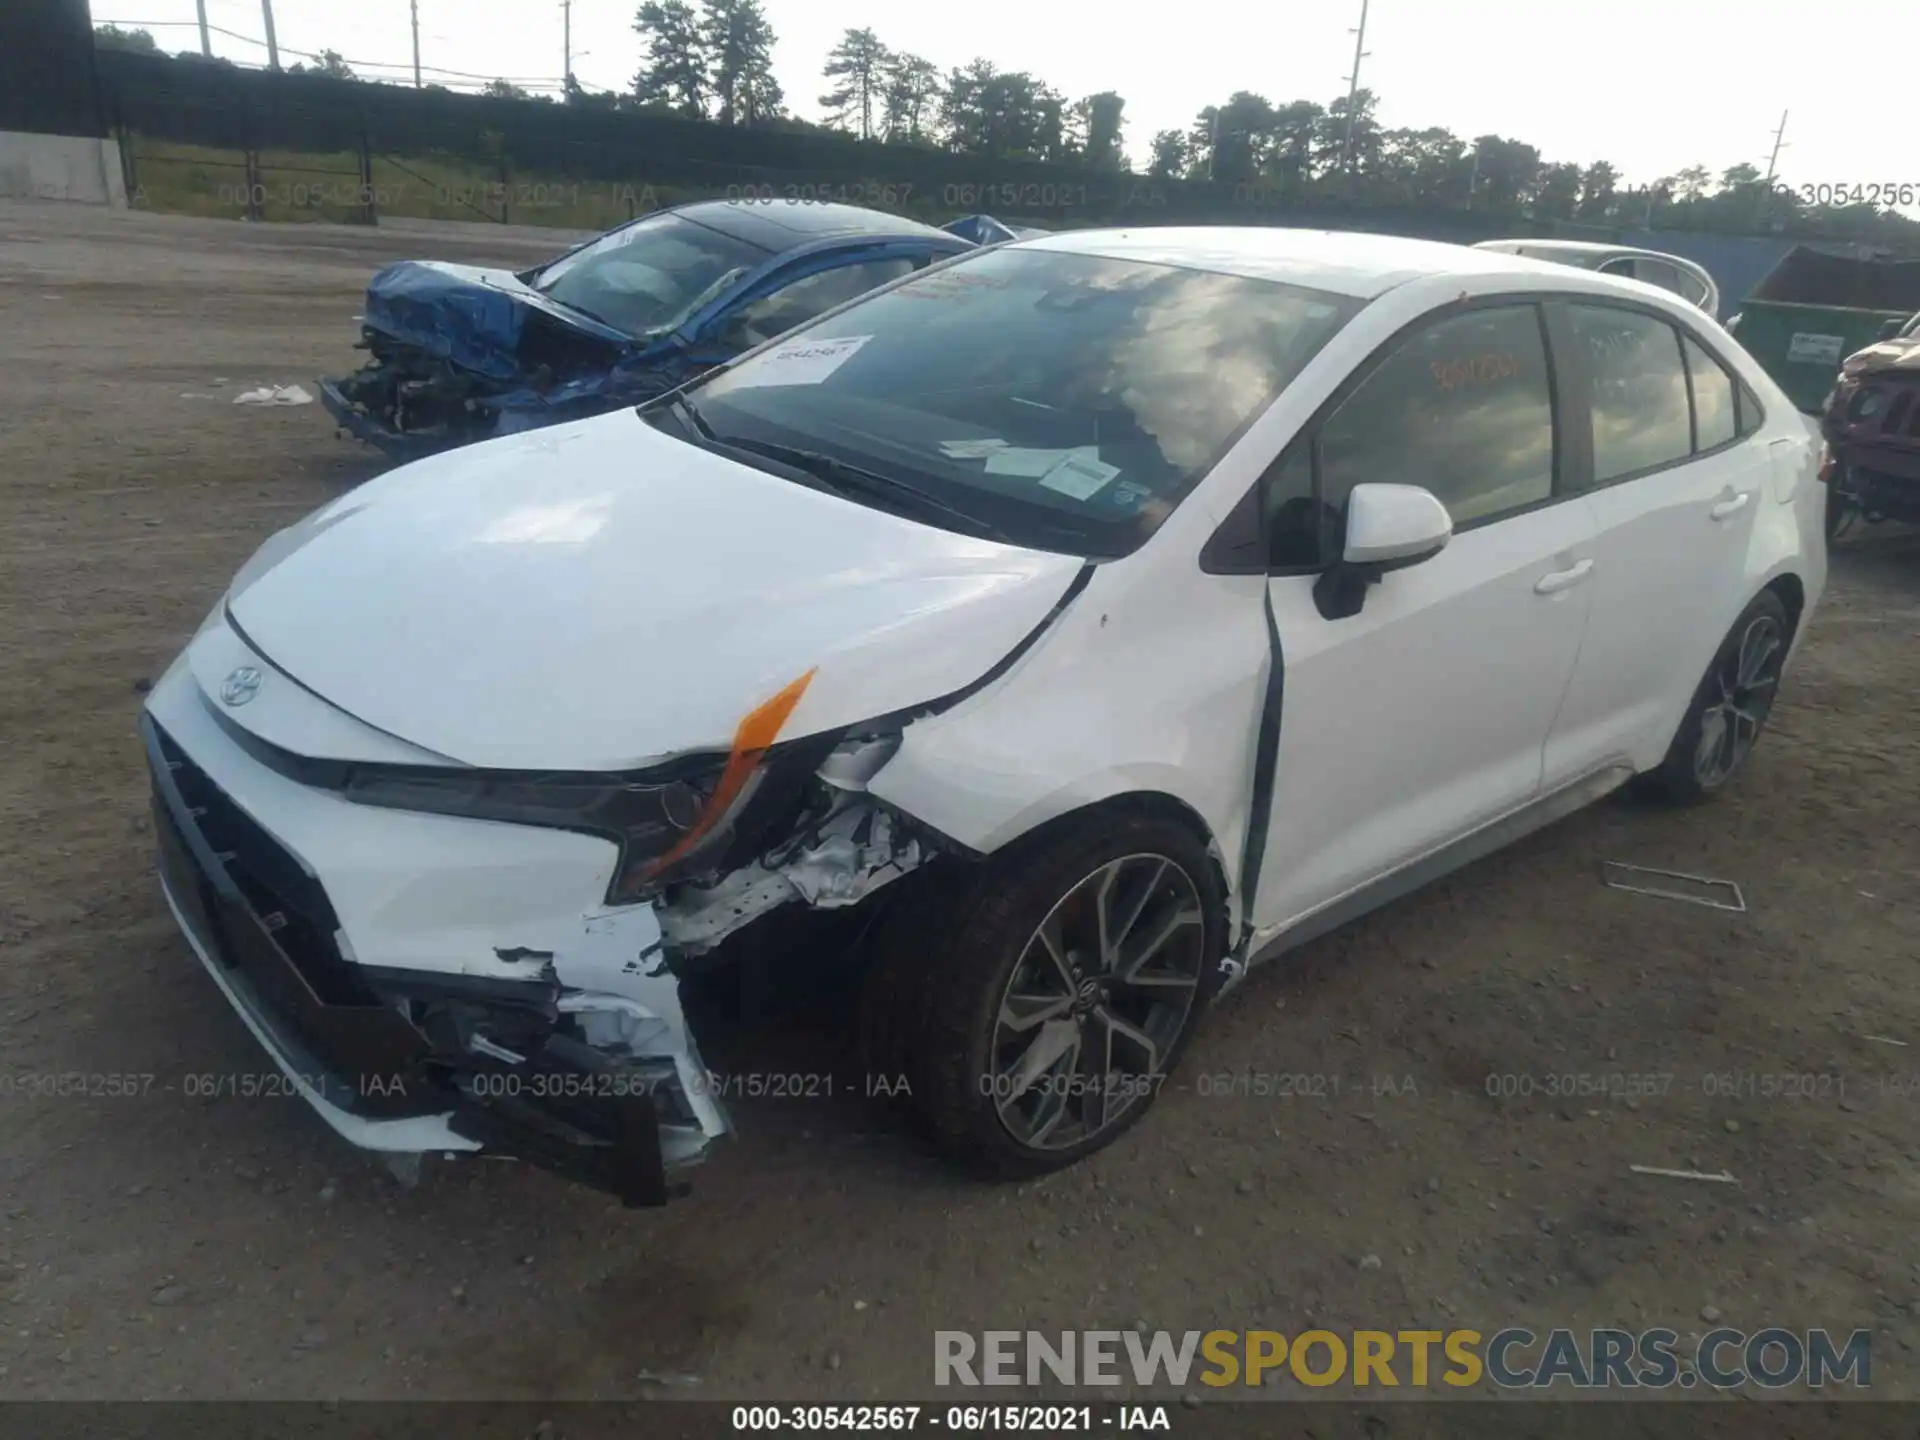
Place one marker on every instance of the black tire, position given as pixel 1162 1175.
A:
pixel 1682 777
pixel 942 985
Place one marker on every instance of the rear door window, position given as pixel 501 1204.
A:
pixel 1714 419
pixel 1642 418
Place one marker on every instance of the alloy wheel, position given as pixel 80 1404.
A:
pixel 1100 995
pixel 1746 680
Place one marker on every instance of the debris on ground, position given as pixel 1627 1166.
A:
pixel 1720 894
pixel 1723 1178
pixel 274 395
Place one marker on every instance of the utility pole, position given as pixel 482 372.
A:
pixel 1353 86
pixel 1773 162
pixel 206 41
pixel 566 39
pixel 273 45
pixel 414 6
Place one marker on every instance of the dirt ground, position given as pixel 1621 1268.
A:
pixel 166 1245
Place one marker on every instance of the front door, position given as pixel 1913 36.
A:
pixel 1425 715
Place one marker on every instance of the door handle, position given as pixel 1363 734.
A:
pixel 1730 507
pixel 1562 579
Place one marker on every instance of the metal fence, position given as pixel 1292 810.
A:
pixel 217 138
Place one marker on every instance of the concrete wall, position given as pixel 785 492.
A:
pixel 61 167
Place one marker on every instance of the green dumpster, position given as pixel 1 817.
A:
pixel 1801 346
pixel 1816 308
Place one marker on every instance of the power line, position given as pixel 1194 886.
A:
pixel 533 80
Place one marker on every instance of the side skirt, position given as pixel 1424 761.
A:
pixel 1417 874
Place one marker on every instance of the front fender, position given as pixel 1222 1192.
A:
pixel 1133 690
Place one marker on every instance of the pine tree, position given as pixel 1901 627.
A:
pixel 738 43
pixel 674 73
pixel 859 63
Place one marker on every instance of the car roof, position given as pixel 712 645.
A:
pixel 779 224
pixel 1342 262
pixel 1589 248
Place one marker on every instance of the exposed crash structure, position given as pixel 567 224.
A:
pixel 571 1051
pixel 459 353
pixel 1872 429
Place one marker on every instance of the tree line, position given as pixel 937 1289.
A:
pixel 1297 152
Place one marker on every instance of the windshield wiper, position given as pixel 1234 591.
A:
pixel 684 412
pixel 848 480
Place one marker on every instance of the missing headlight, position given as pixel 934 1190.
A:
pixel 646 816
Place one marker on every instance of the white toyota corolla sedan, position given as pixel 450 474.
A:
pixel 1111 610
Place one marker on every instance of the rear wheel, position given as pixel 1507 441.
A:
pixel 1730 708
pixel 1050 995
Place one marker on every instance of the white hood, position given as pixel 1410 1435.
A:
pixel 599 595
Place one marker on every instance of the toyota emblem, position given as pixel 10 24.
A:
pixel 241 686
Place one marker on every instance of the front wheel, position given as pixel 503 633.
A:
pixel 1058 988
pixel 1729 709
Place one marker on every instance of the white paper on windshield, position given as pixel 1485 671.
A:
pixel 798 362
pixel 1080 475
pixel 1030 463
pixel 970 449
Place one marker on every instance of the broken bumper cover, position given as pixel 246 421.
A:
pixel 598 1087
pixel 364 427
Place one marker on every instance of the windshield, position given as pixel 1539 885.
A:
pixel 649 276
pixel 1068 401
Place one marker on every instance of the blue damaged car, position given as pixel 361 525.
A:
pixel 459 353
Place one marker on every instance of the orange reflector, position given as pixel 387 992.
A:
pixel 752 738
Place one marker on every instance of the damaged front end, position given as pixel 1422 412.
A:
pixel 1872 428
pixel 460 354
pixel 564 1046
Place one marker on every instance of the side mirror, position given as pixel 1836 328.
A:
pixel 1891 330
pixel 1388 528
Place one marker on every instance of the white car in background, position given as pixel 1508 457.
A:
pixel 1689 281
pixel 1115 608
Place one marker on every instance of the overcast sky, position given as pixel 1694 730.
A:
pixel 1651 85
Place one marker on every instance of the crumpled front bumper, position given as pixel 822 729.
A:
pixel 600 1087
pixel 358 423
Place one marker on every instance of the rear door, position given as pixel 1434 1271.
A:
pixel 1674 483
